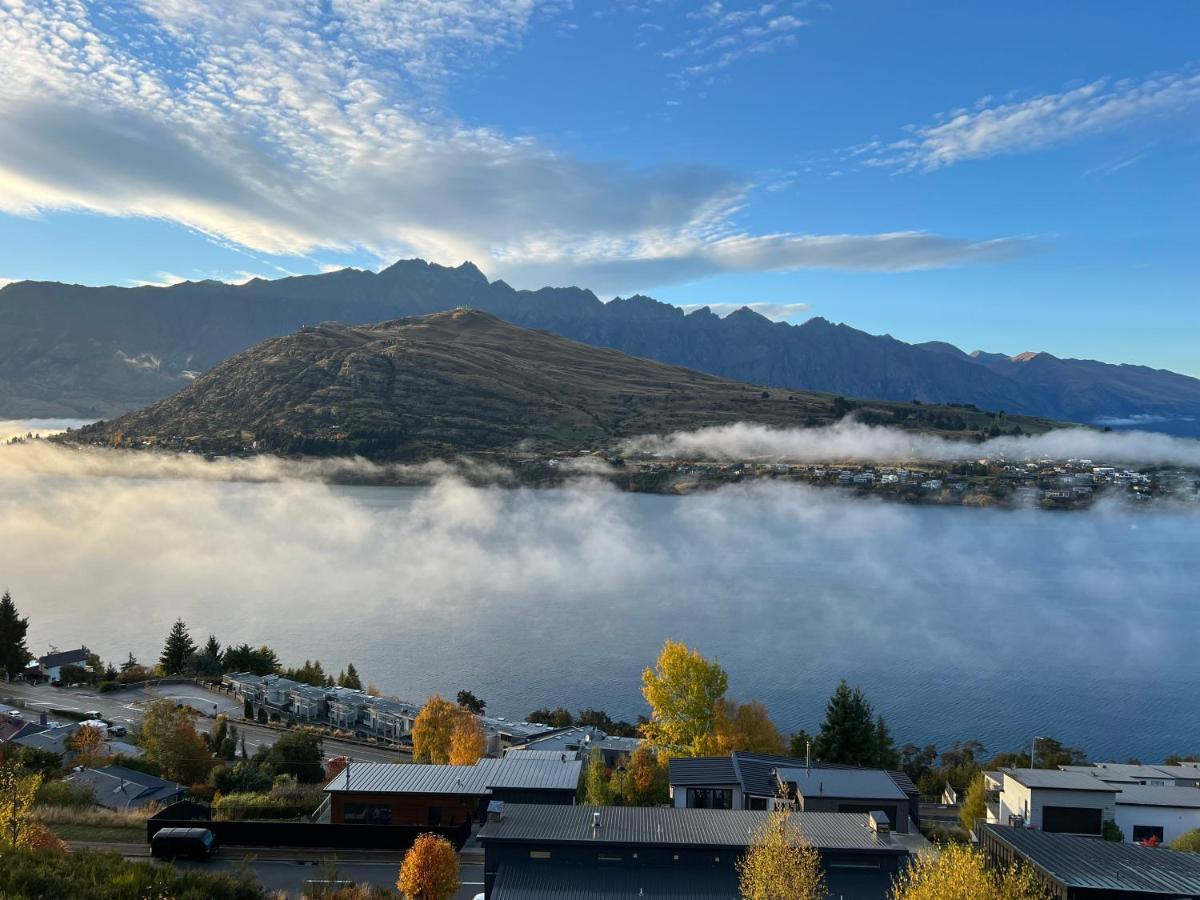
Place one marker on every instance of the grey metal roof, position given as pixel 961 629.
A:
pixel 522 753
pixel 116 787
pixel 581 736
pixel 861 784
pixel 473 781
pixel 52 739
pixel 548 881
pixel 670 826
pixel 1092 863
pixel 1057 780
pixel 702 770
pixel 1154 795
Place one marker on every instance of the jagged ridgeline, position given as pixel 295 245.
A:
pixel 465 381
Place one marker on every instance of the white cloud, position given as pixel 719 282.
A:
pixel 853 441
pixel 285 127
pixel 728 36
pixel 989 129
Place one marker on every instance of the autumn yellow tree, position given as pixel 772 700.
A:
pixel 434 732
pixel 168 735
pixel 684 691
pixel 429 870
pixel 779 864
pixel 468 743
pixel 974 806
pixel 958 872
pixel 747 726
pixel 88 746
pixel 18 789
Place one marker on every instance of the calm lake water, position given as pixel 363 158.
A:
pixel 957 623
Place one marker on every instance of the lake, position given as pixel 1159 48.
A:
pixel 958 623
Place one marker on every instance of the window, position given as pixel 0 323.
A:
pixel 1145 832
pixel 710 798
pixel 758 803
pixel 366 814
pixel 539 854
pixel 434 816
pixel 608 857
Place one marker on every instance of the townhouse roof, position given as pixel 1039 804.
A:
pixel 1089 864
pixel 1057 780
pixel 574 737
pixel 755 772
pixel 116 787
pixel 393 705
pixel 64 658
pixel 522 753
pixel 478 780
pixel 52 739
pixel 539 881
pixel 671 826
pixel 1156 795
pixel 863 784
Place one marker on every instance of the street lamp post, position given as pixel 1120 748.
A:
pixel 1033 749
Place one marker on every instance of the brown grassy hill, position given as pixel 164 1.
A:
pixel 466 381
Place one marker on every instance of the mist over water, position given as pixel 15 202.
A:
pixel 958 623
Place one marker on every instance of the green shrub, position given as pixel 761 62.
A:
pixel 107 687
pixel 1188 841
pixel 65 793
pixel 1111 831
pixel 266 806
pixel 31 875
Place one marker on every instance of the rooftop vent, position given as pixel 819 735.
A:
pixel 595 820
pixel 495 810
pixel 879 822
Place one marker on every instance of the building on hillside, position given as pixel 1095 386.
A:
pixel 415 794
pixel 584 739
pixel 595 853
pixel 119 788
pixel 1051 800
pixel 503 734
pixel 1157 814
pixel 1184 775
pixel 53 739
pixel 1072 867
pixel 746 780
pixel 389 719
pixel 51 665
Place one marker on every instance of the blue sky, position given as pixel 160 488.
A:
pixel 1011 177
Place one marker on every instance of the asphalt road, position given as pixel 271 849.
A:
pixel 291 877
pixel 126 707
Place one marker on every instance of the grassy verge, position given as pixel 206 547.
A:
pixel 93 824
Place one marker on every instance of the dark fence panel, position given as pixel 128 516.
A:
pixel 299 834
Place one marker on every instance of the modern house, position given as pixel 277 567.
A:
pixel 1051 800
pixel 115 787
pixel 414 794
pixel 583 739
pixel 388 718
pixel 51 665
pixel 53 739
pixel 846 791
pixel 591 852
pixel 1183 775
pixel 746 780
pixel 1160 814
pixel 346 708
pixel 1071 867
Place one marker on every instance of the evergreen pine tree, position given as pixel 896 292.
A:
pixel 14 655
pixel 886 754
pixel 212 647
pixel 178 648
pixel 848 734
pixel 350 679
pixel 130 663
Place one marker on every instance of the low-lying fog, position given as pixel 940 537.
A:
pixel 958 623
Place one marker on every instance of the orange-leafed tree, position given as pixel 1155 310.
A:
pixel 429 870
pixel 468 743
pixel 432 730
pixel 747 726
pixel 88 745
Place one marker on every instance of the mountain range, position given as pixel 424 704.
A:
pixel 77 352
pixel 466 381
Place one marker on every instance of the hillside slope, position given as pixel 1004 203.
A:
pixel 76 351
pixel 465 381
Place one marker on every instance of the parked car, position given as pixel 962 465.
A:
pixel 118 731
pixel 183 843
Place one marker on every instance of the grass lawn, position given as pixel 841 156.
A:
pixel 109 834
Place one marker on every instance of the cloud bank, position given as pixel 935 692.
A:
pixel 285 127
pixel 852 441
pixel 561 597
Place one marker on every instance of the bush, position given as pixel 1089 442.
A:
pixel 107 687
pixel 137 763
pixel 1111 831
pixel 65 793
pixel 106 876
pixel 240 778
pixel 45 762
pixel 1189 841
pixel 945 833
pixel 289 805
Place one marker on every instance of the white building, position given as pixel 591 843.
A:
pixel 1159 812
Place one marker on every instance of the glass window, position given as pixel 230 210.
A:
pixel 366 814
pixel 710 798
pixel 435 815
pixel 1145 832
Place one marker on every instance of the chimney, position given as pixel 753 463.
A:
pixel 596 820
pixel 878 822
pixel 495 810
pixel 43 719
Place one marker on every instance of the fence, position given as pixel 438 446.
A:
pixel 187 814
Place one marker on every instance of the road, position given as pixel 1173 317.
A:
pixel 291 877
pixel 126 707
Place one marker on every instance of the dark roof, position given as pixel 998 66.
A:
pixel 548 881
pixel 673 827
pixel 702 770
pixel 1058 780
pixel 859 784
pixel 117 787
pixel 755 772
pixel 65 658
pixel 470 781
pixel 1096 864
pixel 1150 795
